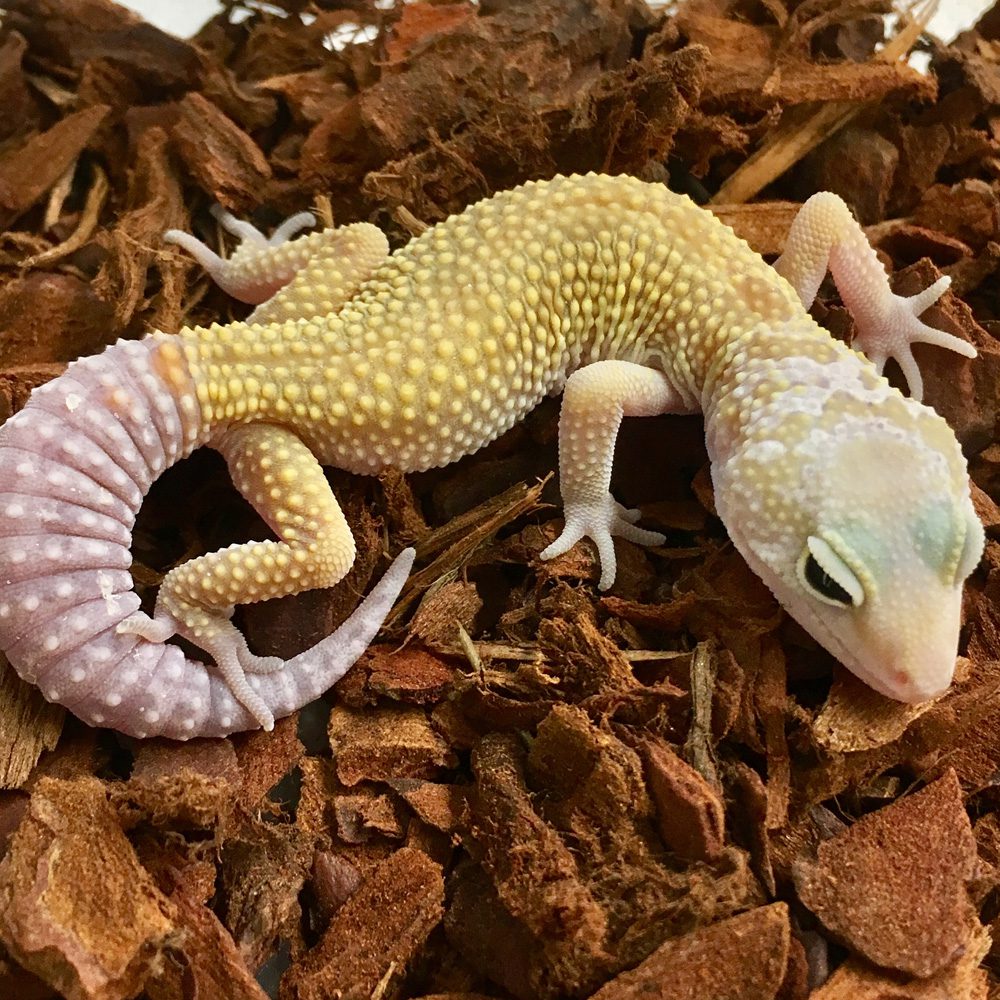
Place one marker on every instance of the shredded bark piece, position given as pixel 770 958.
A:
pixel 224 160
pixel 265 758
pixel 410 674
pixel 30 725
pixel 384 743
pixel 180 785
pixel 857 718
pixel 961 979
pixel 76 907
pixel 744 956
pixel 450 606
pixel 440 806
pixel 690 815
pixel 27 173
pixel 375 935
pixel 893 885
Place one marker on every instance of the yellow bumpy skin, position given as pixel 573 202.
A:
pixel 849 500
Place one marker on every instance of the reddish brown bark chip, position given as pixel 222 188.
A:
pixel 375 936
pixel 744 957
pixel 224 160
pixel 410 674
pixel 50 317
pixel 84 30
pixel 364 815
pixel 17 100
pixel 969 211
pixel 420 22
pixel 440 806
pixel 539 883
pixel 961 979
pixel 156 204
pixel 389 742
pixel 443 611
pixel 30 725
pixel 893 885
pixel 203 960
pixel 28 172
pixel 265 758
pixel 524 913
pixel 76 908
pixel 690 815
pixel 180 784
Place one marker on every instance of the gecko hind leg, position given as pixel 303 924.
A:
pixel 286 278
pixel 826 235
pixel 282 479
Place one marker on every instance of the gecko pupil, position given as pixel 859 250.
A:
pixel 824 584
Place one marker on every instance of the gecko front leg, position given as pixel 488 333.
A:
pixel 596 399
pixel 826 235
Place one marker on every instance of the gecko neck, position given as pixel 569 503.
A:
pixel 777 382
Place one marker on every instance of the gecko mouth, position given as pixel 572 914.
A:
pixel 888 680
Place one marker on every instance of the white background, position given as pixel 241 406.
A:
pixel 184 17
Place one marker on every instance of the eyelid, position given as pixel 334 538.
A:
pixel 835 566
pixel 852 560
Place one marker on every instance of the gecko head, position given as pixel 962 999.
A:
pixel 865 532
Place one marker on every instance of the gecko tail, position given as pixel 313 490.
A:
pixel 75 464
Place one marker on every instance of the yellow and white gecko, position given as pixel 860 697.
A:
pixel 850 500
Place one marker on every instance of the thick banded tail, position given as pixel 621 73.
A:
pixel 75 464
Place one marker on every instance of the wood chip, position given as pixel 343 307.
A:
pixel 893 885
pixel 745 957
pixel 375 936
pixel 76 908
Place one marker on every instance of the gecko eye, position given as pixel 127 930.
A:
pixel 825 586
pixel 827 576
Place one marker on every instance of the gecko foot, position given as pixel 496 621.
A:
pixel 217 636
pixel 893 328
pixel 258 267
pixel 601 522
pixel 157 629
pixel 228 662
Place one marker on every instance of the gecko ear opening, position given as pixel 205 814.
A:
pixel 972 548
pixel 827 577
